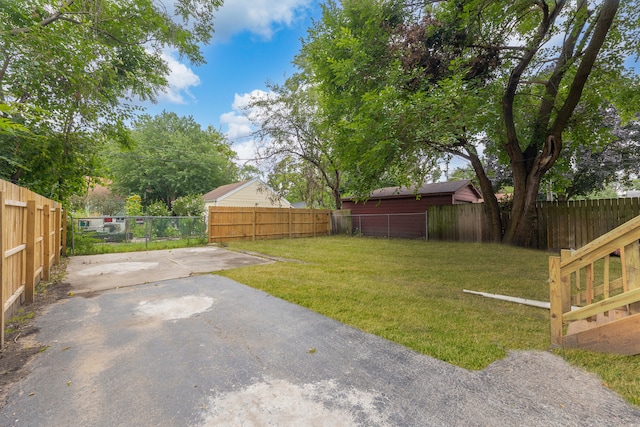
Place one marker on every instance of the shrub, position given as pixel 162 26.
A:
pixel 192 205
pixel 158 208
pixel 133 205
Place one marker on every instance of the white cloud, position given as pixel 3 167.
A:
pixel 260 17
pixel 240 123
pixel 181 78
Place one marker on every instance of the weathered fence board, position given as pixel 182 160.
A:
pixel 556 225
pixel 31 240
pixel 246 223
pixel 463 223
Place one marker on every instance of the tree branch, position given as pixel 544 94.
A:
pixel 48 20
pixel 512 146
pixel 603 24
pixel 3 71
pixel 552 85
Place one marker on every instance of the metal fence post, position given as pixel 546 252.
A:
pixel 147 220
pixel 426 225
pixel 73 235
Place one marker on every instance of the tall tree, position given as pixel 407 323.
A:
pixel 70 71
pixel 300 181
pixel 171 157
pixel 405 80
pixel 291 125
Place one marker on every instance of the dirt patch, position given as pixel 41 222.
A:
pixel 20 343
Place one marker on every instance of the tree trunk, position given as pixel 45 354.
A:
pixel 337 197
pixel 520 227
pixel 492 209
pixel 525 194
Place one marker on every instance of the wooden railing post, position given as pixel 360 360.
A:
pixel 556 301
pixel 632 270
pixel 29 284
pixel 566 283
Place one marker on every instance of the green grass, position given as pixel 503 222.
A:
pixel 96 248
pixel 13 323
pixel 619 373
pixel 410 292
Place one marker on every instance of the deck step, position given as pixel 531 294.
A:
pixel 620 335
pixel 602 318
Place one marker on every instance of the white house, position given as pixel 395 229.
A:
pixel 253 193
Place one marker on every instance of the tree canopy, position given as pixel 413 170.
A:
pixel 585 169
pixel 171 157
pixel 70 73
pixel 295 138
pixel 405 83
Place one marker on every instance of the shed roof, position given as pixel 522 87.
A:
pixel 437 188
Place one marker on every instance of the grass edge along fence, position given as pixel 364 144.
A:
pixel 32 240
pixel 257 223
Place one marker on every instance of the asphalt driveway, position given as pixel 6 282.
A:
pixel 207 351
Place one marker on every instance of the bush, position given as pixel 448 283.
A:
pixel 82 243
pixel 133 205
pixel 192 205
pixel 158 208
pixel 159 226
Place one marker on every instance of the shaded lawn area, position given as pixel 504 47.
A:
pixel 410 292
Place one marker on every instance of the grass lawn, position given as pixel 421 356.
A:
pixel 410 292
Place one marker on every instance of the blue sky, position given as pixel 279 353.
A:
pixel 255 42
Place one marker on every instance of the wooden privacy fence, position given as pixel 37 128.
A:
pixel 31 241
pixel 563 225
pixel 457 223
pixel 248 223
pixel 556 225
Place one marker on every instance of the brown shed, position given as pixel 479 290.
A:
pixel 401 211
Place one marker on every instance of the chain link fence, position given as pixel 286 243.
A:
pixel 399 225
pixel 137 229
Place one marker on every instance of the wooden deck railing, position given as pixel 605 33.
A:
pixel 589 279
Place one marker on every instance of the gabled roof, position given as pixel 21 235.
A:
pixel 226 190
pixel 437 188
